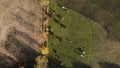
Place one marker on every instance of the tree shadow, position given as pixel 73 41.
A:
pixel 50 30
pixel 78 64
pixel 108 65
pixel 28 12
pixel 78 51
pixel 27 37
pixel 59 38
pixel 7 62
pixel 22 51
pixel 24 23
pixel 56 21
pixel 54 63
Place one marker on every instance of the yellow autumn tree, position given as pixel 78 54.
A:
pixel 44 50
pixel 43 2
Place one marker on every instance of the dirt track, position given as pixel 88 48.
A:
pixel 20 31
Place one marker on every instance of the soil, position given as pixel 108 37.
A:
pixel 20 32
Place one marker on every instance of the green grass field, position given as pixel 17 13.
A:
pixel 70 34
pixel 98 38
pixel 105 12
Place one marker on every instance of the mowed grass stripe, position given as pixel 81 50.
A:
pixel 98 37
